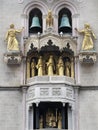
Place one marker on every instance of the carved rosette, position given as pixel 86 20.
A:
pixel 13 58
pixel 88 57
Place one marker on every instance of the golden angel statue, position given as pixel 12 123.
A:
pixel 88 35
pixel 12 43
pixel 49 19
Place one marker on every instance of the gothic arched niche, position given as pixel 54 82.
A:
pixel 50 60
pixel 35 21
pixel 64 21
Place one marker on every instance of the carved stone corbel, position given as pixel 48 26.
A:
pixel 13 58
pixel 88 57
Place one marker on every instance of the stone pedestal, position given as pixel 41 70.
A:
pixel 88 57
pixel 49 30
pixel 13 58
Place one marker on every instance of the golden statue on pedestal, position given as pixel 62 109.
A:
pixel 49 19
pixel 88 34
pixel 67 68
pixel 33 67
pixel 50 120
pixel 59 121
pixel 41 122
pixel 40 66
pixel 60 66
pixel 12 43
pixel 50 65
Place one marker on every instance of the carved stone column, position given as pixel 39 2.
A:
pixel 70 117
pixel 63 116
pixel 28 116
pixel 24 90
pixel 37 116
pixel 28 68
pixel 72 68
pixel 76 109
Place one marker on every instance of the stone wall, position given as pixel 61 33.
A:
pixel 88 109
pixel 11 109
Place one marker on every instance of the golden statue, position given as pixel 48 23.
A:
pixel 40 66
pixel 88 34
pixel 59 121
pixel 12 43
pixel 49 19
pixel 52 121
pixel 50 65
pixel 67 68
pixel 60 66
pixel 33 67
pixel 41 122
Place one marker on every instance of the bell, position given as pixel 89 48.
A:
pixel 35 22
pixel 64 22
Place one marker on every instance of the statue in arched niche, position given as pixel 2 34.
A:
pixel 49 19
pixel 50 65
pixel 88 35
pixel 67 67
pixel 12 43
pixel 59 121
pixel 40 66
pixel 41 122
pixel 60 66
pixel 33 68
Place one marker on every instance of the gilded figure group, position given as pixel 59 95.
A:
pixel 50 67
pixel 52 120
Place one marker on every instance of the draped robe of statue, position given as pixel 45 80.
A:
pixel 67 68
pixel 40 66
pixel 49 19
pixel 60 66
pixel 88 35
pixel 12 43
pixel 50 65
pixel 59 121
pixel 33 67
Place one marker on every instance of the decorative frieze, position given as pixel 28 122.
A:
pixel 69 93
pixel 31 93
pixel 44 91
pixel 88 57
pixel 13 58
pixel 56 91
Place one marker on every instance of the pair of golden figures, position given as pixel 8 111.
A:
pixel 13 45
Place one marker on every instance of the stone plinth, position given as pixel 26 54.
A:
pixel 88 57
pixel 13 58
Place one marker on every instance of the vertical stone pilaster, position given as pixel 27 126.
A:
pixel 37 117
pixel 69 117
pixel 63 116
pixel 44 23
pixel 31 118
pixel 24 90
pixel 28 68
pixel 28 116
pixel 72 68
pixel 76 109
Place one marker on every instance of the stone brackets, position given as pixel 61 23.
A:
pixel 88 57
pixel 13 58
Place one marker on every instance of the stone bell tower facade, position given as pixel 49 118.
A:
pixel 49 70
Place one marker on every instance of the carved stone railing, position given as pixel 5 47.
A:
pixel 50 88
pixel 50 79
